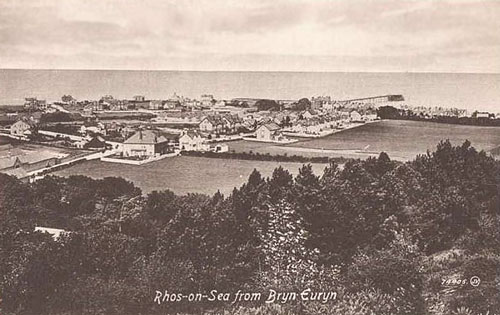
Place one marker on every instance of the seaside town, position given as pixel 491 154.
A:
pixel 139 130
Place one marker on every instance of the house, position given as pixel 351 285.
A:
pixel 34 103
pixel 93 126
pixel 250 123
pixel 173 102
pixel 212 123
pixel 155 104
pixel 21 128
pixel 483 115
pixel 108 100
pixel 307 114
pixel 139 98
pixel 220 148
pixel 232 122
pixel 320 101
pixel 146 143
pixel 207 100
pixel 90 107
pixel 15 167
pixel 355 116
pixel 94 143
pixel 10 162
pixel 192 141
pixel 92 129
pixel 268 132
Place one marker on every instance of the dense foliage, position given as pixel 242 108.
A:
pixel 302 104
pixel 387 237
pixel 271 105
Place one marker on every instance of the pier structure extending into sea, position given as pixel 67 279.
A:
pixel 379 99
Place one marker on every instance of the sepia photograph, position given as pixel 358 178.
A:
pixel 250 157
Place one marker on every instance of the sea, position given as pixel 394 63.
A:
pixel 467 91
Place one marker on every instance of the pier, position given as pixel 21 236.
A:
pixel 379 99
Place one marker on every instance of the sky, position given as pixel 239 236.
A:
pixel 252 35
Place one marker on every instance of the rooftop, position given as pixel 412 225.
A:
pixel 272 126
pixel 146 137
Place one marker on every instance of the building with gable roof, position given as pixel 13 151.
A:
pixel 193 141
pixel 21 128
pixel 212 123
pixel 146 143
pixel 221 123
pixel 268 132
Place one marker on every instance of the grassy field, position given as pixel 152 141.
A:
pixel 184 174
pixel 241 146
pixel 401 139
pixel 405 139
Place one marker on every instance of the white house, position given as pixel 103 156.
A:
pixel 145 143
pixel 98 128
pixel 268 132
pixel 219 148
pixel 20 128
pixel 355 116
pixel 483 115
pixel 192 141
pixel 307 114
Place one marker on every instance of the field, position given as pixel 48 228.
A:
pixel 405 139
pixel 401 139
pixel 241 146
pixel 184 174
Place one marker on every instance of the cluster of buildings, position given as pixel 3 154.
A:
pixel 192 124
pixel 140 128
pixel 437 111
pixel 429 112
pixel 138 102
pixel 179 123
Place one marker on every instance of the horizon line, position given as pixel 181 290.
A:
pixel 255 71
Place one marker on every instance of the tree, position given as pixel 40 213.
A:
pixel 393 271
pixel 303 104
pixel 67 98
pixel 388 112
pixel 288 262
pixel 280 184
pixel 113 187
pixel 267 105
pixel 307 195
pixel 460 184
pixel 161 205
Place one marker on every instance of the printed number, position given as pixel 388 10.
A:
pixel 453 281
